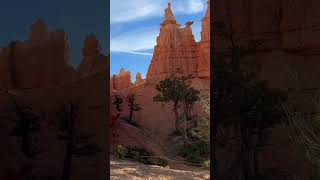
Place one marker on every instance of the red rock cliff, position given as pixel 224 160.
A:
pixel 177 53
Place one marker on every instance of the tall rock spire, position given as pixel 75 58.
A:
pixel 175 53
pixel 204 62
pixel 205 23
pixel 168 15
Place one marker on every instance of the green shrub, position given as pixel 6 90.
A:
pixel 158 161
pixel 197 151
pixel 206 164
pixel 121 152
pixel 135 153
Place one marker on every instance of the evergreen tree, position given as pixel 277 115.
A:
pixel 118 101
pixel 133 106
pixel 182 95
pixel 170 91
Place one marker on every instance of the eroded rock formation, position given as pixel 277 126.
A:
pixel 139 79
pixel 93 58
pixel 41 61
pixel 121 81
pixel 204 46
pixel 177 53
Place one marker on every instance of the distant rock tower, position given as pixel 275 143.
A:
pixel 121 81
pixel 39 32
pixel 175 53
pixel 93 59
pixel 139 79
pixel 168 15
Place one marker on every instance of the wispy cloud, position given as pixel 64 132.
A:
pixel 137 41
pixel 138 53
pixel 134 10
pixel 141 40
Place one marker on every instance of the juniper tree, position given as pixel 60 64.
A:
pixel 170 91
pixel 117 101
pixel 182 95
pixel 133 106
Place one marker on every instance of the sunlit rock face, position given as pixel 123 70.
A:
pixel 177 53
pixel 204 46
pixel 121 81
pixel 93 59
pixel 139 79
pixel 41 61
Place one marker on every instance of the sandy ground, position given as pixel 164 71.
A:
pixel 125 169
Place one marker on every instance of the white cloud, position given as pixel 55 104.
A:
pixel 141 40
pixel 134 10
pixel 196 5
pixel 139 53
pixel 135 41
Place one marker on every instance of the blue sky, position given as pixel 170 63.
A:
pixel 135 25
pixel 77 18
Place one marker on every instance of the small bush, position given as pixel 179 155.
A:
pixel 197 151
pixel 158 161
pixel 206 164
pixel 121 152
pixel 136 153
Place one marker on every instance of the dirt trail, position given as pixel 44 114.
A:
pixel 125 169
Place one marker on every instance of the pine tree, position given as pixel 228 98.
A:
pixel 182 95
pixel 133 106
